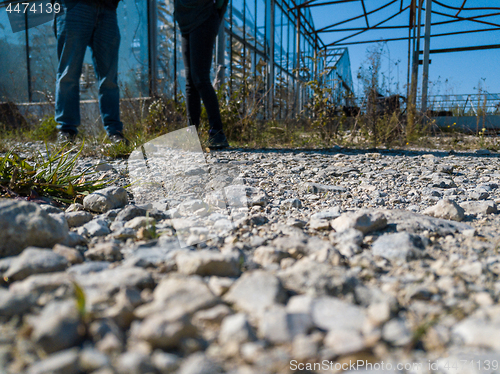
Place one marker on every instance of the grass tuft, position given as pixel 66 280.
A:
pixel 50 175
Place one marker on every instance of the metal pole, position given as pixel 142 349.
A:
pixel 244 60
pixel 410 29
pixel 281 86
pixel 231 50
pixel 425 77
pixel 297 68
pixel 175 62
pixel 414 78
pixel 316 47
pixel 323 79
pixel 271 59
pixel 28 60
pixel 153 47
pixel 254 67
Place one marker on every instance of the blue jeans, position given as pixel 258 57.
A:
pixel 80 25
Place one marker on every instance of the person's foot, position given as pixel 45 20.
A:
pixel 118 139
pixel 64 137
pixel 217 140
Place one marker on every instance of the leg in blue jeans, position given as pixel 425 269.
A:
pixel 105 44
pixel 74 32
pixel 197 50
pixel 78 26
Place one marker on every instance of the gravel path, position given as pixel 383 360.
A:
pixel 311 260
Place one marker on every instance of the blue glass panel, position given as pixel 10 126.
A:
pixel 250 21
pixel 133 67
pixel 238 18
pixel 278 17
pixel 43 62
pixel 169 61
pixel 261 25
pixel 13 67
pixel 291 45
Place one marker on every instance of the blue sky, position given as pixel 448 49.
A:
pixel 449 73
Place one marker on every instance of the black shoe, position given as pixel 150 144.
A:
pixel 118 139
pixel 217 140
pixel 64 137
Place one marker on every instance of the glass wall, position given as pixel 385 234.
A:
pixel 13 63
pixel 335 67
pixel 28 59
pixel 268 80
pixel 170 67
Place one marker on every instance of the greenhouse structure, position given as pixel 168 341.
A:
pixel 266 52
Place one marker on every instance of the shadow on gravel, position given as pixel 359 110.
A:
pixel 354 151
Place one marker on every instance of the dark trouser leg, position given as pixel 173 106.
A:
pixel 105 45
pixel 193 100
pixel 74 27
pixel 200 44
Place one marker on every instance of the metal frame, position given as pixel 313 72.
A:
pixel 152 48
pixel 414 9
pixel 308 42
pixel 301 47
